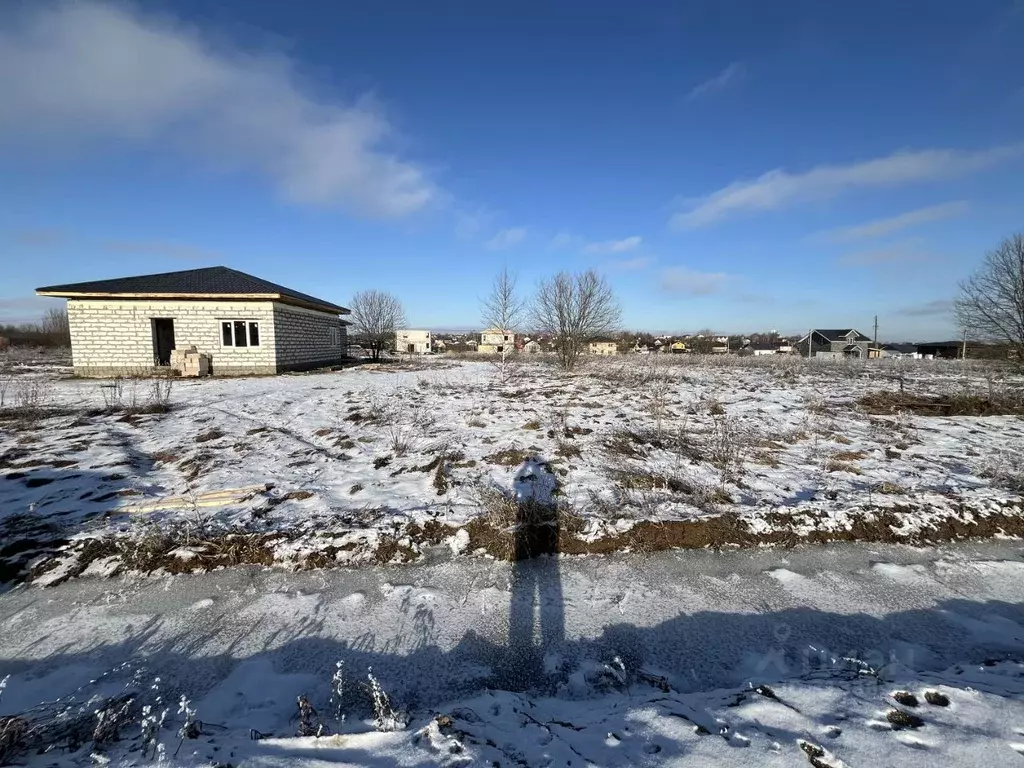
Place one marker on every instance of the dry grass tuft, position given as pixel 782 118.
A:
pixel 839 466
pixel 952 404
pixel 510 457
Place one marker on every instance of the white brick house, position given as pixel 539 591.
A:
pixel 495 341
pixel 246 325
pixel 413 342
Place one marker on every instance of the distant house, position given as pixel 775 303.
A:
pixel 838 343
pixel 678 347
pixel 245 325
pixel 440 345
pixel 413 342
pixel 760 349
pixel 603 347
pixel 494 341
pixel 720 348
pixel 532 347
pixel 949 350
pixel 899 350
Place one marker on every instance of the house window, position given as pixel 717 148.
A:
pixel 336 337
pixel 239 333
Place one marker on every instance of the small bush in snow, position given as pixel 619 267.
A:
pixel 385 718
pixel 338 690
pixel 309 722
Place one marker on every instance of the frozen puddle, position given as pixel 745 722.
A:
pixel 690 658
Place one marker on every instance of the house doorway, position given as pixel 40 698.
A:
pixel 163 340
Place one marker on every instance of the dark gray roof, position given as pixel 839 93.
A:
pixel 762 345
pixel 904 348
pixel 219 281
pixel 840 334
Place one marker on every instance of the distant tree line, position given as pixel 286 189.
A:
pixel 50 331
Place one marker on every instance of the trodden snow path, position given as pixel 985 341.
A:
pixel 242 644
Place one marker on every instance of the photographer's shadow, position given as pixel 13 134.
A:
pixel 537 612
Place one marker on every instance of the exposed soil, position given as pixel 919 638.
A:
pixel 891 403
pixel 182 551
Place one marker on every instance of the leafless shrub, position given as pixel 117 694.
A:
pixel 573 309
pixel 1005 469
pixel 160 395
pixel 5 382
pixel 68 723
pixel 990 306
pixel 728 445
pixel 385 716
pixel 643 490
pixel 659 390
pixel 503 311
pixel 376 315
pixel 113 394
pixel 398 440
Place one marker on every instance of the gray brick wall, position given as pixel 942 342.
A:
pixel 306 338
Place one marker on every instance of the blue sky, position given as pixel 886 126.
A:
pixel 735 165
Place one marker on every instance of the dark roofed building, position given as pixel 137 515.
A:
pixel 841 342
pixel 246 325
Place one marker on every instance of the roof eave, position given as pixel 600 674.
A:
pixel 284 299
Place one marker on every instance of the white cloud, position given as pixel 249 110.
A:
pixel 40 238
pixel 893 253
pixel 614 246
pixel 881 227
pixel 469 222
pixel 629 265
pixel 162 249
pixel 506 238
pixel 561 241
pixel 87 70
pixel 777 189
pixel 730 74
pixel 688 281
pixel 929 309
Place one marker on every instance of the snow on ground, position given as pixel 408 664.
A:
pixel 381 464
pixel 838 655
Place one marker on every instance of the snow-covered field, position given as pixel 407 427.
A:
pixel 839 655
pixel 406 461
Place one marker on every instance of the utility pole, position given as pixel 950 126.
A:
pixel 810 341
pixel 963 349
pixel 876 331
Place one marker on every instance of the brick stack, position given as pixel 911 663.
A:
pixel 189 362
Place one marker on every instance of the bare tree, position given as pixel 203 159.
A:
pixel 991 303
pixel 55 325
pixel 575 309
pixel 376 315
pixel 503 310
pixel 702 342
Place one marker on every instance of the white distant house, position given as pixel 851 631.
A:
pixel 603 347
pixel 900 350
pixel 413 342
pixel 532 347
pixel 760 349
pixel 495 341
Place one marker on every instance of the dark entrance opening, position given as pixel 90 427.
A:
pixel 163 340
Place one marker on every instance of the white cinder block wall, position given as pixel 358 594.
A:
pixel 111 337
